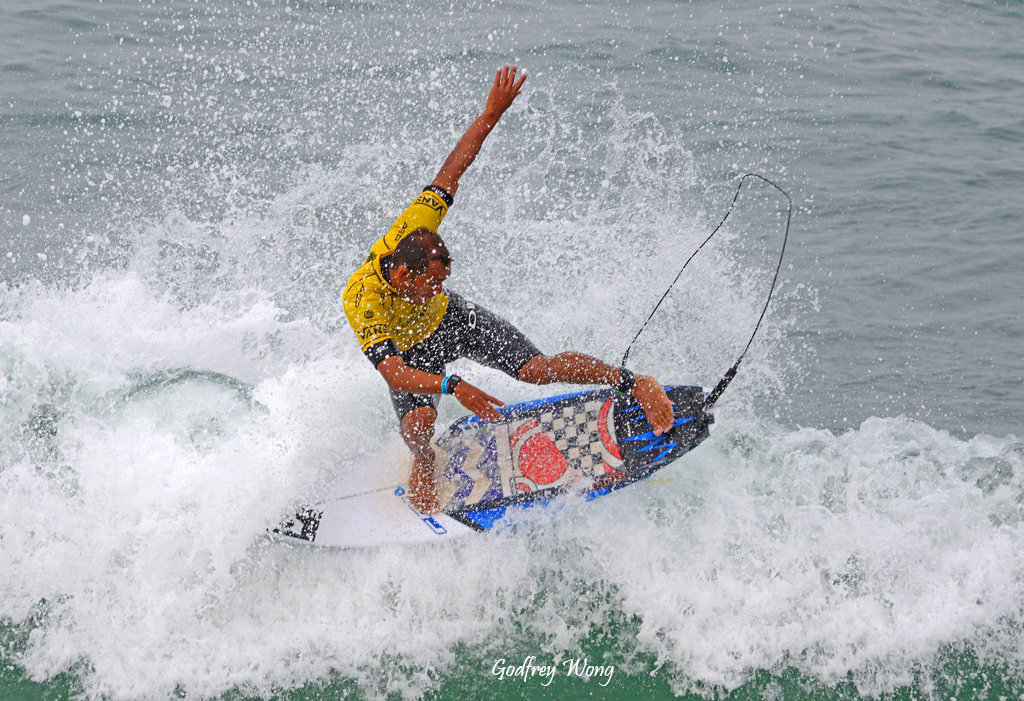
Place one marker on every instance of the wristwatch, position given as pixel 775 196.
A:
pixel 449 383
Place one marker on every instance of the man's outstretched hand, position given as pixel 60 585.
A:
pixel 504 91
pixel 478 401
pixel 655 402
pixel 499 99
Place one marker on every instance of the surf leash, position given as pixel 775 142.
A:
pixel 716 393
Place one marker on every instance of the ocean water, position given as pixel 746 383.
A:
pixel 186 186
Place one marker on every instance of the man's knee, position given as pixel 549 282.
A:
pixel 538 371
pixel 418 426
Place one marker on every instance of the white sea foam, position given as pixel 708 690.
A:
pixel 176 383
pixel 160 417
pixel 137 496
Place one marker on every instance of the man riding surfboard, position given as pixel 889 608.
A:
pixel 410 326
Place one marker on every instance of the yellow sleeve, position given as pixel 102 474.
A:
pixel 427 211
pixel 368 312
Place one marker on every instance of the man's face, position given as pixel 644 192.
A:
pixel 427 284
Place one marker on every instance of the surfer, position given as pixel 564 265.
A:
pixel 410 326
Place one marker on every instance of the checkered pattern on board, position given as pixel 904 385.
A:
pixel 575 433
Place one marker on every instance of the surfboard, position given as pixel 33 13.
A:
pixel 584 445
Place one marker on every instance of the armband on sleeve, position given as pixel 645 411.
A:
pixel 381 351
pixel 440 192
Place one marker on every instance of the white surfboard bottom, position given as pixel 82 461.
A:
pixel 385 516
pixel 364 503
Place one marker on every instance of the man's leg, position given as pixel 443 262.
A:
pixel 418 430
pixel 578 368
pixel 569 367
pixel 494 342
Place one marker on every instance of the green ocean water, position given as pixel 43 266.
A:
pixel 186 186
pixel 956 674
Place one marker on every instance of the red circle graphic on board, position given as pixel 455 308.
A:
pixel 541 461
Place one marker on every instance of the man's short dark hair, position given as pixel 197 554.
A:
pixel 418 248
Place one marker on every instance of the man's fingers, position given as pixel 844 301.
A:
pixel 478 401
pixel 655 403
pixel 486 411
pixel 663 420
pixel 493 400
pixel 488 408
pixel 506 78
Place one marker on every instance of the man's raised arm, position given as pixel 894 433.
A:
pixel 504 91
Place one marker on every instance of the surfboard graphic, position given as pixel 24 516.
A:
pixel 585 444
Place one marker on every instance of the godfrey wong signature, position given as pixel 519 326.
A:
pixel 528 669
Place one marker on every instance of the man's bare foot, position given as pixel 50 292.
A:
pixel 655 402
pixel 422 487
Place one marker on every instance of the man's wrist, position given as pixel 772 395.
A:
pixel 449 383
pixel 491 117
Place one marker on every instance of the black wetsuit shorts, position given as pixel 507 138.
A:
pixel 466 331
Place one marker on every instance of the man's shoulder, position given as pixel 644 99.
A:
pixel 427 210
pixel 366 279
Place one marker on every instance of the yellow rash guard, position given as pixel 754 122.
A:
pixel 383 320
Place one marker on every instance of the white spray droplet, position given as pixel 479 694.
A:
pixel 26 220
